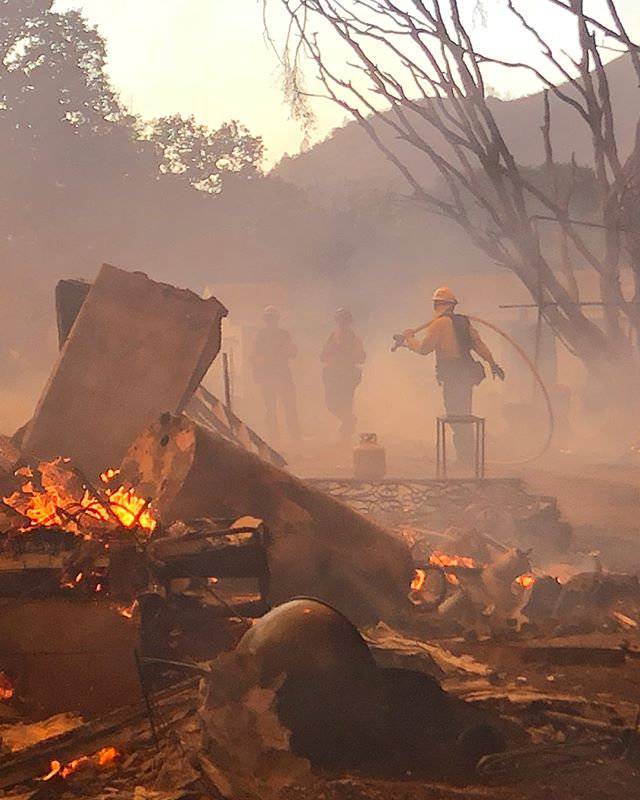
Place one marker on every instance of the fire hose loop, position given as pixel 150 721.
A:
pixel 539 382
pixel 538 378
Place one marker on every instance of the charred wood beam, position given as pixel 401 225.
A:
pixel 318 546
pixel 121 724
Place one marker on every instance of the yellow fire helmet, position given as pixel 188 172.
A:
pixel 444 295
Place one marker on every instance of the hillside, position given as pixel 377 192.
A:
pixel 349 157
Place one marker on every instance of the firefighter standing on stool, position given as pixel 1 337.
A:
pixel 454 341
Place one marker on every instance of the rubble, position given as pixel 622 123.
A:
pixel 67 655
pixel 157 343
pixel 564 654
pixel 203 407
pixel 245 746
pixel 317 547
pixel 394 650
pixel 21 735
pixel 499 507
pixel 228 739
pixel 118 579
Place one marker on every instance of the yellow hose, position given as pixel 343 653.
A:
pixel 538 379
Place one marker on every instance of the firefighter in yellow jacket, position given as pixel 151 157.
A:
pixel 454 340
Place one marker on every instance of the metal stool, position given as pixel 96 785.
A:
pixel 441 442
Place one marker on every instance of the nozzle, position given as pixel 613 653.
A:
pixel 398 341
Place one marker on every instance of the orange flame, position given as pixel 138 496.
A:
pixel 65 503
pixel 443 560
pixel 131 510
pixel 526 581
pixel 106 755
pixel 6 687
pixel 103 758
pixel 419 580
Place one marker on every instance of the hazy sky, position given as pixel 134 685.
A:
pixel 209 58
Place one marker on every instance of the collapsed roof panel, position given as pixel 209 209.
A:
pixel 138 348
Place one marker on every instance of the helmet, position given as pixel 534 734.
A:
pixel 444 295
pixel 343 314
pixel 271 312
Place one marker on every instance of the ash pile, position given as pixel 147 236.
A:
pixel 183 618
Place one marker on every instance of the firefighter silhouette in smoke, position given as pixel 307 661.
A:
pixel 454 340
pixel 342 356
pixel 273 351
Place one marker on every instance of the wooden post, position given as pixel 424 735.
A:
pixel 227 380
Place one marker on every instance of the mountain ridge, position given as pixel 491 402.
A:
pixel 348 156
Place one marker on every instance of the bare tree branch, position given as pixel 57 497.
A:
pixel 416 78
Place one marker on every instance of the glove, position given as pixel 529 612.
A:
pixel 398 341
pixel 497 371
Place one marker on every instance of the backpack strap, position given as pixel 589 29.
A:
pixel 462 330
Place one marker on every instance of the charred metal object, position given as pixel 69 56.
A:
pixel 332 693
pixel 343 710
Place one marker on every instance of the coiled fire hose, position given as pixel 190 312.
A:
pixel 534 371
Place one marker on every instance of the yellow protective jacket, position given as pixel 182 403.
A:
pixel 440 337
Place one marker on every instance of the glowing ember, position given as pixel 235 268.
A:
pixel 106 756
pixel 128 611
pixel 419 580
pixel 526 581
pixel 65 502
pixel 55 768
pixel 443 560
pixel 109 474
pixel 103 758
pixel 6 687
pixel 445 563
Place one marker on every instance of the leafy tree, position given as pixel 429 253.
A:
pixel 77 184
pixel 53 63
pixel 207 159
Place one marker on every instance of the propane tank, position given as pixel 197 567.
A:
pixel 369 459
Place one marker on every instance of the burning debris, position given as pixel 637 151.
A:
pixel 122 581
pixel 502 509
pixel 318 546
pixel 477 587
pixel 105 757
pixel 55 495
pixel 7 689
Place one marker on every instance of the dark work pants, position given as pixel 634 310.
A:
pixel 281 392
pixel 339 391
pixel 457 390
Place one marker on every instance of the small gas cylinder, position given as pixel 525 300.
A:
pixel 369 459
